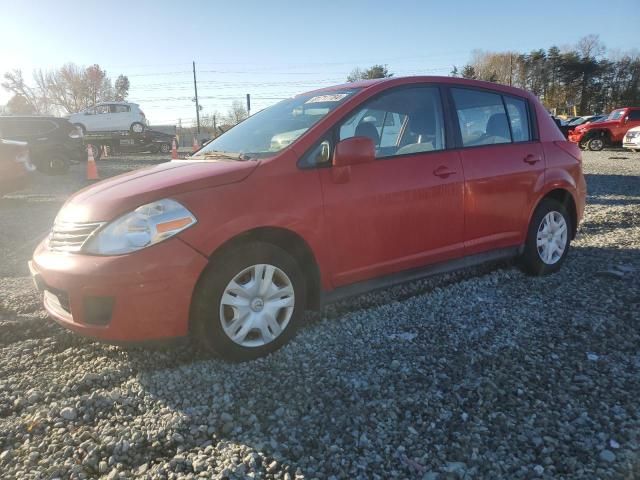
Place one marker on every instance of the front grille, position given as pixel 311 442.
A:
pixel 70 237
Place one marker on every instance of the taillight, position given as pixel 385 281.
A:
pixel 571 148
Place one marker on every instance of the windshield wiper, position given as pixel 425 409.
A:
pixel 216 155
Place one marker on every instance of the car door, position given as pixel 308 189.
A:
pixel 502 164
pixel 120 117
pixel 91 119
pixel 405 209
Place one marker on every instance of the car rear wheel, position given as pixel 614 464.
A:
pixel 548 238
pixel 137 127
pixel 54 164
pixel 595 144
pixel 249 302
pixel 165 148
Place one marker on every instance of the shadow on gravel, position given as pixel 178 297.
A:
pixel 351 399
pixel 598 185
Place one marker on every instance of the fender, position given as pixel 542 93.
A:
pixel 554 179
pixel 280 197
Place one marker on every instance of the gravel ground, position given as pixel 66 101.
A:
pixel 524 378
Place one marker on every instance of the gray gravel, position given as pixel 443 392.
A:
pixel 486 373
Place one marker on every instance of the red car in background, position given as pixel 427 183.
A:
pixel 15 166
pixel 610 131
pixel 326 194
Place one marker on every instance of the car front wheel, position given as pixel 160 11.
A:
pixel 595 144
pixel 248 302
pixel 137 127
pixel 548 238
pixel 165 148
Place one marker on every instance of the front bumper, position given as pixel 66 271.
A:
pixel 575 137
pixel 633 142
pixel 143 296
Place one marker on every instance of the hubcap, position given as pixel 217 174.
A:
pixel 257 305
pixel 552 237
pixel 596 144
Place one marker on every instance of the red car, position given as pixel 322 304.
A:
pixel 596 135
pixel 15 166
pixel 323 195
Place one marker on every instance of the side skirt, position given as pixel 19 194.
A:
pixel 387 281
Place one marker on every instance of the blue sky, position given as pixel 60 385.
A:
pixel 273 49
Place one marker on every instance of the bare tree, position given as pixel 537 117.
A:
pixel 375 71
pixel 69 88
pixel 121 88
pixel 236 113
pixel 19 105
pixel 14 82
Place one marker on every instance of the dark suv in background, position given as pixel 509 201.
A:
pixel 54 142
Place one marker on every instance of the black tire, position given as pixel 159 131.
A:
pixel 54 164
pixel 81 127
pixel 136 127
pixel 206 322
pixel 165 148
pixel 596 144
pixel 531 258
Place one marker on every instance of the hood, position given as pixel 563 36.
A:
pixel 587 126
pixel 115 196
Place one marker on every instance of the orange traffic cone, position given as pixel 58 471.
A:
pixel 195 147
pixel 174 150
pixel 92 169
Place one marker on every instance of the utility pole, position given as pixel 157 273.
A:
pixel 248 104
pixel 510 67
pixel 195 88
pixel 215 126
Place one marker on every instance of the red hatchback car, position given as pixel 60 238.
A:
pixel 323 195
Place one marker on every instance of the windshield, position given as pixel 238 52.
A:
pixel 578 121
pixel 274 128
pixel 616 114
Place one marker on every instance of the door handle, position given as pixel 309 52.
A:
pixel 443 172
pixel 531 159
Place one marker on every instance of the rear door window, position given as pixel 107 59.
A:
pixel 17 128
pixel 482 117
pixel 518 118
pixel 119 108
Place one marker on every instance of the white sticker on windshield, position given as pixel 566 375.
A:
pixel 336 97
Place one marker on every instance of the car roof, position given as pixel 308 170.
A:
pixel 395 81
pixel 32 117
pixel 114 103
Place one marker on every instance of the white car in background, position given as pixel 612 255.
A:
pixel 631 139
pixel 110 116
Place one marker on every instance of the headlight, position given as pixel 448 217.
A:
pixel 145 226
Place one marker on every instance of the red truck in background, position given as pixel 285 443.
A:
pixel 595 136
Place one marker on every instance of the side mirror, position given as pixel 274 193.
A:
pixel 353 151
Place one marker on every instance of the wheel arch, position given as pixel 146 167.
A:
pixel 598 132
pixel 565 197
pixel 289 241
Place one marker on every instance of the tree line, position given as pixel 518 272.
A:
pixel 583 76
pixel 68 89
